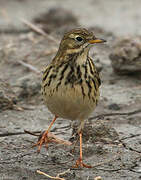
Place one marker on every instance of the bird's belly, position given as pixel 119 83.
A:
pixel 70 103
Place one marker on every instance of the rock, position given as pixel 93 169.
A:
pixel 57 20
pixel 30 88
pixel 8 98
pixel 114 107
pixel 126 56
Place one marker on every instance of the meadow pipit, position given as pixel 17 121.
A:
pixel 70 85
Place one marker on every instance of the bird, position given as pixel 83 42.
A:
pixel 70 83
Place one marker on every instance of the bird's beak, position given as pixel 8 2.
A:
pixel 96 40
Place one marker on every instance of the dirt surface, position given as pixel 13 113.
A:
pixel 112 136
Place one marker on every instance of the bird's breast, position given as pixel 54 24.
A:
pixel 71 92
pixel 70 102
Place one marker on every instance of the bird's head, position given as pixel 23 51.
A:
pixel 77 40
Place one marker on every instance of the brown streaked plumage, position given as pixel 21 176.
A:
pixel 70 85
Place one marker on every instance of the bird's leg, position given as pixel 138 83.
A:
pixel 74 145
pixel 44 137
pixel 47 137
pixel 79 162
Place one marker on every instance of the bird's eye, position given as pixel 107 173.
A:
pixel 78 38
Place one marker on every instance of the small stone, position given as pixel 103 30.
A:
pixel 98 178
pixel 126 55
pixel 57 19
pixel 8 98
pixel 29 88
pixel 114 107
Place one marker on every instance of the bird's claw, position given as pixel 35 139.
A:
pixel 79 163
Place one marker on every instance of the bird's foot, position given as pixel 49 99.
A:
pixel 79 163
pixel 43 139
pixel 48 137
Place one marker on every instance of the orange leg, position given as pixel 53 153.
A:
pixel 44 138
pixel 79 162
pixel 47 137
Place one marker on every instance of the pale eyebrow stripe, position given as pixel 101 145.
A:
pixel 72 36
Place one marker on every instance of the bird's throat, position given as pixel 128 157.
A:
pixel 82 56
pixel 78 56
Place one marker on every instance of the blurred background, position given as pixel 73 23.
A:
pixel 119 17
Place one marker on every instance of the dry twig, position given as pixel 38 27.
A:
pixel 116 114
pixel 51 137
pixel 54 177
pixel 29 66
pixel 55 139
pixel 16 133
pixel 39 31
pixel 63 173
pixel 33 27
